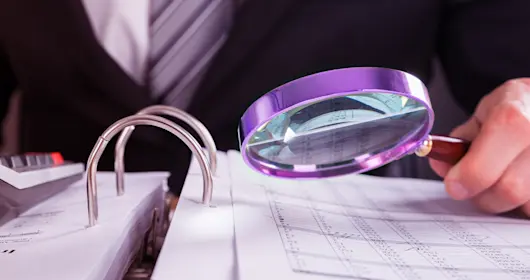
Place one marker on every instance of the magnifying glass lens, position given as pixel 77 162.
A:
pixel 339 130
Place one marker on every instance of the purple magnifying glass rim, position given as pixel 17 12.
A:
pixel 331 84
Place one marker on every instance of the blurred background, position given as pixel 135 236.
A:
pixel 10 127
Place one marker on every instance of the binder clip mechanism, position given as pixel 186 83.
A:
pixel 208 164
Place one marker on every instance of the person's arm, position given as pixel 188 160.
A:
pixel 8 83
pixel 485 48
pixel 482 44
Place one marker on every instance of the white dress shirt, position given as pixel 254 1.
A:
pixel 122 28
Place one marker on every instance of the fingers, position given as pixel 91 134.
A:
pixel 494 172
pixel 516 89
pixel 505 133
pixel 511 191
pixel 440 168
pixel 467 131
pixel 526 209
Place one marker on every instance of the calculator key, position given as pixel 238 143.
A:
pixel 57 158
pixel 4 161
pixel 16 162
pixel 54 158
pixel 41 159
pixel 30 160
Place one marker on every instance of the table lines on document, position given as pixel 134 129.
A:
pixel 384 237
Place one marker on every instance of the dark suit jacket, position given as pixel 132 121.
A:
pixel 72 89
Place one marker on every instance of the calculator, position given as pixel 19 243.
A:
pixel 30 178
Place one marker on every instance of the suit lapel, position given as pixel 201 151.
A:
pixel 253 22
pixel 97 68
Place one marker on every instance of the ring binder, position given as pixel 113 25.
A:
pixel 135 120
pixel 204 134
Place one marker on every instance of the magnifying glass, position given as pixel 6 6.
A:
pixel 342 121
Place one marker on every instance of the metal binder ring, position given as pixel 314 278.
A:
pixel 115 128
pixel 204 134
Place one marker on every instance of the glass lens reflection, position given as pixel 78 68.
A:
pixel 336 131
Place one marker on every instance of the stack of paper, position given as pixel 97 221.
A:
pixel 200 241
pixel 52 242
pixel 352 227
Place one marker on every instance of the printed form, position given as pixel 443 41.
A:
pixel 51 241
pixel 360 227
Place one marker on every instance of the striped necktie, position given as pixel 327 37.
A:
pixel 185 36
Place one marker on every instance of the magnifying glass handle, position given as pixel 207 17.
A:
pixel 443 148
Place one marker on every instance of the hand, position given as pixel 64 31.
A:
pixel 495 173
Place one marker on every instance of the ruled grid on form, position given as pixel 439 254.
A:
pixel 360 227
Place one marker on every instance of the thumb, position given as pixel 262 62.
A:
pixel 467 131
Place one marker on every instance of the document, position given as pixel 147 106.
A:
pixel 52 241
pixel 362 227
pixel 200 241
